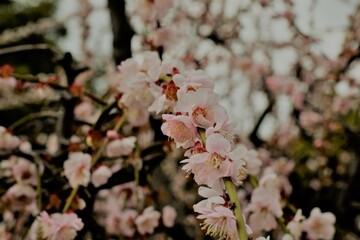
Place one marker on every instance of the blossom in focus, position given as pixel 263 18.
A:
pixel 168 216
pixel 147 221
pixel 219 222
pixel 59 226
pixel 210 166
pixel 181 129
pixel 122 222
pixel 77 169
pixel 319 225
pixel 202 105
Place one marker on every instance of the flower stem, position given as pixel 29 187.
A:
pixel 230 187
pixel 31 117
pixel 70 199
pixel 106 141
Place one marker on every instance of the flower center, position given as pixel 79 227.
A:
pixel 215 160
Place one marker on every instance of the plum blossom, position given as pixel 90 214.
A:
pixel 77 169
pixel 295 226
pixel 213 197
pixel 19 196
pixel 202 105
pixel 219 222
pixel 7 140
pixel 181 129
pixel 209 166
pixel 101 175
pixel 121 147
pixel 59 226
pixel 122 222
pixel 24 172
pixel 128 226
pixel 191 81
pixel 319 225
pixel 86 111
pixel 244 162
pixel 168 216
pixel 147 221
pixel 265 207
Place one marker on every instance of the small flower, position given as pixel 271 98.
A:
pixel 295 226
pixel 219 222
pixel 265 205
pixel 101 175
pixel 60 226
pixel 7 140
pixel 19 196
pixel 121 147
pixel 168 216
pixel 210 166
pixel 319 225
pixel 77 169
pixel 201 105
pixel 147 221
pixel 181 129
pixel 24 172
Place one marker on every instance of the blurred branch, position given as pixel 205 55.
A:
pixel 122 30
pixel 33 116
pixel 17 34
pixel 28 47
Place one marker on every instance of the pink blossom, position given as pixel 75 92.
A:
pixel 191 81
pixel 112 134
pixel 319 225
pixel 128 226
pixel 265 207
pixel 181 129
pixel 209 166
pixel 214 196
pixel 19 196
pixel 24 172
pixel 60 226
pixel 128 69
pixel 168 216
pixel 77 169
pixel 7 140
pixel 244 162
pixel 295 226
pixel 121 147
pixel 101 175
pixel 113 223
pixel 147 221
pixel 86 111
pixel 122 223
pixel 202 105
pixel 219 222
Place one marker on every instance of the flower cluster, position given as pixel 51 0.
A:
pixel 125 213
